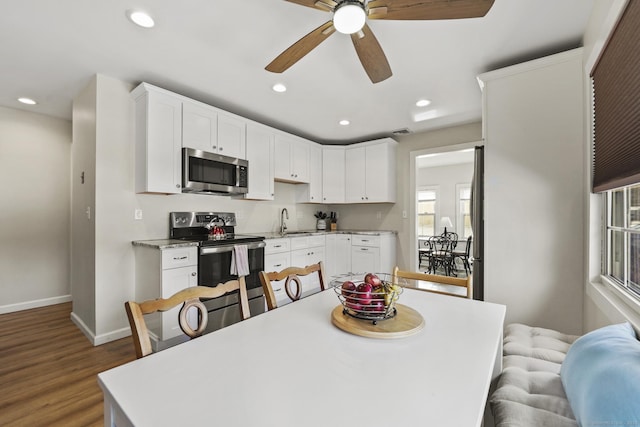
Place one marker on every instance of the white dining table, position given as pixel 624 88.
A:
pixel 292 367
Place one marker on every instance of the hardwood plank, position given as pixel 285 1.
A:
pixel 48 369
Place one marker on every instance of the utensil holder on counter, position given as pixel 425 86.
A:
pixel 321 224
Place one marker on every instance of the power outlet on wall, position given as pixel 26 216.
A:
pixel 137 214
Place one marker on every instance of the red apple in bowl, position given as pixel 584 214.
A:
pixel 376 306
pixel 363 293
pixel 348 288
pixel 372 279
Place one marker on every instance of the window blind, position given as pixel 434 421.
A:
pixel 616 88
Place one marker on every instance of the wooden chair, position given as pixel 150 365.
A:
pixel 290 275
pixel 189 297
pixel 443 284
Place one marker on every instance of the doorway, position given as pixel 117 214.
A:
pixel 442 182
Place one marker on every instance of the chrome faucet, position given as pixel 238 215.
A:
pixel 283 226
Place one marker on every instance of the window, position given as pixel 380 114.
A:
pixel 426 203
pixel 463 201
pixel 622 241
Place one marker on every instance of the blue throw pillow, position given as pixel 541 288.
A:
pixel 601 377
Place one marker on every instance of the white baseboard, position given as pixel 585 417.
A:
pixel 102 338
pixel 26 305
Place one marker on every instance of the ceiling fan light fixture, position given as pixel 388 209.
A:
pixel 349 17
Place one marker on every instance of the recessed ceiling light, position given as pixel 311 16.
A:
pixel 344 122
pixel 27 101
pixel 140 18
pixel 422 103
pixel 279 87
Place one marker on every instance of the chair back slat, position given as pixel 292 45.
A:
pixel 291 275
pixel 466 283
pixel 189 298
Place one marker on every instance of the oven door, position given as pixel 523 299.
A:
pixel 214 264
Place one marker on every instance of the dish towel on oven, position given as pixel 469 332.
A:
pixel 239 261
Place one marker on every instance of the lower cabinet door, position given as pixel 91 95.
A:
pixel 174 280
pixel 365 259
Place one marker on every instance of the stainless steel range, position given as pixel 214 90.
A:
pixel 216 237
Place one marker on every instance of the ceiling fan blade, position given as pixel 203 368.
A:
pixel 326 5
pixel 300 48
pixel 428 9
pixel 371 55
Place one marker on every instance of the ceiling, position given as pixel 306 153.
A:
pixel 216 51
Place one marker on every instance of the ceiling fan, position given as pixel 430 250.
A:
pixel 350 17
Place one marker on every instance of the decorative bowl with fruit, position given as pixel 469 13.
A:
pixel 368 296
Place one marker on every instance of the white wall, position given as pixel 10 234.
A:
pixel 535 192
pixel 361 217
pixel 446 178
pixel 34 210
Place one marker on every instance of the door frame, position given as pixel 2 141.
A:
pixel 413 208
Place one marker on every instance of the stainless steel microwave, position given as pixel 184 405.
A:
pixel 204 172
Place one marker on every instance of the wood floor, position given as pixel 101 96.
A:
pixel 48 369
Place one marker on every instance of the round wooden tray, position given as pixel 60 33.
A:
pixel 406 322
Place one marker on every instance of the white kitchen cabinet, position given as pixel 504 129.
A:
pixel 277 257
pixel 231 136
pixel 333 174
pixel 158 140
pixel 373 253
pixel 199 126
pixel 312 192
pixel 162 273
pixel 209 129
pixel 261 162
pixel 338 255
pixel 305 251
pixel 291 159
pixel 370 172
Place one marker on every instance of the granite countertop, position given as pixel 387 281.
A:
pixel 164 243
pixel 176 243
pixel 302 233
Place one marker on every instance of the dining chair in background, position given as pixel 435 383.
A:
pixel 190 298
pixel 464 256
pixel 441 255
pixel 292 284
pixel 444 285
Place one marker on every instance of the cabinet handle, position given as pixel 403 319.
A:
pixel 177 185
pixel 366 197
pixel 364 240
pixel 194 274
pixel 277 290
pixel 362 198
pixel 364 249
pixel 277 246
pixel 215 147
pixel 324 198
pixel 278 265
pixel 221 148
pixel 179 258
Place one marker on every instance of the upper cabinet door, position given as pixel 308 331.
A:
pixel 292 158
pixel 158 142
pixel 231 136
pixel 199 127
pixel 355 175
pixel 260 157
pixel 333 170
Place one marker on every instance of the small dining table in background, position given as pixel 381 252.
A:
pixel 292 367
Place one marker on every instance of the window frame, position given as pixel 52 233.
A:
pixel 459 216
pixel 625 285
pixel 436 214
